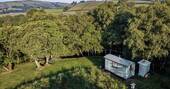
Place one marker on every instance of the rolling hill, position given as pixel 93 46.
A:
pixel 90 5
pixel 22 6
pixel 86 6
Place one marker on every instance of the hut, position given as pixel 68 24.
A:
pixel 144 68
pixel 119 66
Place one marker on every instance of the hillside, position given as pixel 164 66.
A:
pixel 86 6
pixel 90 5
pixel 22 6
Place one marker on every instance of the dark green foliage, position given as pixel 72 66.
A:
pixel 148 35
pixel 168 2
pixel 66 8
pixel 104 15
pixel 140 32
pixel 113 22
pixel 80 35
pixel 41 35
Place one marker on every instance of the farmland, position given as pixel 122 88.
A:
pixel 23 6
pixel 87 6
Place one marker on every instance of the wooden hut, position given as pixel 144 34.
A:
pixel 119 66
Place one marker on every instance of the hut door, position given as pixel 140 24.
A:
pixel 132 70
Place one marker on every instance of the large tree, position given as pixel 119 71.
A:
pixel 9 51
pixel 41 39
pixel 113 21
pixel 80 35
pixel 149 32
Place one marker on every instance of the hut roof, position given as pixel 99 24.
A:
pixel 118 60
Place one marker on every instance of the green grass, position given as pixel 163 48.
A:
pixel 85 6
pixel 155 81
pixel 50 11
pixel 14 4
pixel 54 11
pixel 27 71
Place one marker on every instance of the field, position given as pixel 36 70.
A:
pixel 54 11
pixel 25 75
pixel 85 6
pixel 50 11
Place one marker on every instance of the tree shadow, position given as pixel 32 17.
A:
pixel 64 79
pixel 97 61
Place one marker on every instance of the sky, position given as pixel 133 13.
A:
pixel 66 1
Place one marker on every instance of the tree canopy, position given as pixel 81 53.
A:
pixel 137 32
pixel 148 35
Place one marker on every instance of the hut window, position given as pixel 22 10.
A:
pixel 116 65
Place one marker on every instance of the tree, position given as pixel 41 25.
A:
pixel 41 39
pixel 80 35
pixel 66 8
pixel 113 20
pixel 38 14
pixel 9 51
pixel 104 15
pixel 167 2
pixel 148 35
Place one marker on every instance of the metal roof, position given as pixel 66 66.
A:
pixel 144 62
pixel 118 60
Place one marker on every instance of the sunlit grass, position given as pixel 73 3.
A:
pixel 25 72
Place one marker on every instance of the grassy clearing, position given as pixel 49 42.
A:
pixel 25 76
pixel 26 72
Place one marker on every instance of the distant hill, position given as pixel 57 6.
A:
pixel 86 6
pixel 22 6
pixel 90 5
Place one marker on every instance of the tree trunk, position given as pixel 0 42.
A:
pixel 6 68
pixel 105 51
pixel 110 51
pixel 9 67
pixel 162 64
pixel 37 63
pixel 81 53
pixel 153 68
pixel 92 53
pixel 47 60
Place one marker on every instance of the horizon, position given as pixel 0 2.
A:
pixel 63 1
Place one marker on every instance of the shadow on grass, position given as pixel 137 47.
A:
pixel 75 78
pixel 97 61
pixel 65 79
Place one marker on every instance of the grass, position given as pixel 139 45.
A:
pixel 27 71
pixel 54 11
pixel 155 81
pixel 85 6
pixel 51 11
